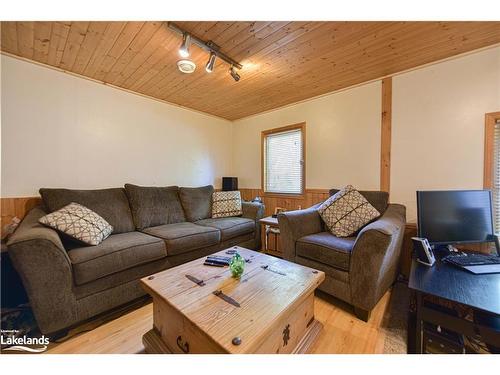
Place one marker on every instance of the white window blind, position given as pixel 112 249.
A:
pixel 283 163
pixel 496 179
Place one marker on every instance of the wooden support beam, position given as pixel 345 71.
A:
pixel 490 120
pixel 385 142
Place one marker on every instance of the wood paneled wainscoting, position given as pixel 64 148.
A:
pixel 15 207
pixel 290 203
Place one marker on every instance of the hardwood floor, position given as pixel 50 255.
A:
pixel 343 333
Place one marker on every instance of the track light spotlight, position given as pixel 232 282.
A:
pixel 211 62
pixel 186 42
pixel 234 74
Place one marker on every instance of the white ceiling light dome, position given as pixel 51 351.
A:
pixel 186 66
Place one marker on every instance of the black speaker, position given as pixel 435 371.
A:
pixel 229 183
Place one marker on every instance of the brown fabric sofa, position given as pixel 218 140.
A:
pixel 359 269
pixel 155 228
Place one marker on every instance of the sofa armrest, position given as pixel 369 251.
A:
pixel 253 210
pixel 31 230
pixel 375 257
pixel 296 224
pixel 40 259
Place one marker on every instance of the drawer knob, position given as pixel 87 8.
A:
pixel 236 341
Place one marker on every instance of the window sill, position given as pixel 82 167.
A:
pixel 284 195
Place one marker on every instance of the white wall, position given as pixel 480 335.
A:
pixel 63 131
pixel 342 139
pixel 438 125
pixel 437 131
pixel 60 130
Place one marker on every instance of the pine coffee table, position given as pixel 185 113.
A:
pixel 203 309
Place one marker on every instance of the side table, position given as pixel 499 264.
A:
pixel 271 236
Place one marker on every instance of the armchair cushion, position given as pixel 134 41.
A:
pixel 378 199
pixel 325 248
pixel 347 212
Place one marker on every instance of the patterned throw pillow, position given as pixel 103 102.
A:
pixel 226 204
pixel 78 222
pixel 346 212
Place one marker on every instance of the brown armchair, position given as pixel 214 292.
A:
pixel 358 269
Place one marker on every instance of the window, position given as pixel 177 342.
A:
pixel 492 163
pixel 283 160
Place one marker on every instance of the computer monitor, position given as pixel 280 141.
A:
pixel 455 216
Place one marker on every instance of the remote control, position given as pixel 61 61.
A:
pixel 207 263
pixel 219 258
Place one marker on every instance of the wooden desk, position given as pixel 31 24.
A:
pixel 271 243
pixel 479 292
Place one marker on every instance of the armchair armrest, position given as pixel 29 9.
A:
pixel 296 224
pixel 375 257
pixel 40 259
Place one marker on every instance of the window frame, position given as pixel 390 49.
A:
pixel 264 134
pixel 490 120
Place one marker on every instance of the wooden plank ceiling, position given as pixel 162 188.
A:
pixel 284 62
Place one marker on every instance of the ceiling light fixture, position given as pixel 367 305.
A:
pixel 208 46
pixel 186 66
pixel 186 42
pixel 234 74
pixel 210 63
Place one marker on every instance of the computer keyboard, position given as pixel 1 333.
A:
pixel 471 259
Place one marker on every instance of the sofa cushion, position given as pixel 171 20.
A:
pixel 378 199
pixel 111 204
pixel 226 204
pixel 347 212
pixel 325 248
pixel 117 253
pixel 79 223
pixel 197 202
pixel 183 237
pixel 152 206
pixel 230 227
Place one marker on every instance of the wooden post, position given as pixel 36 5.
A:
pixel 490 120
pixel 385 142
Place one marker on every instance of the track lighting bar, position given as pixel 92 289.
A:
pixel 208 46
